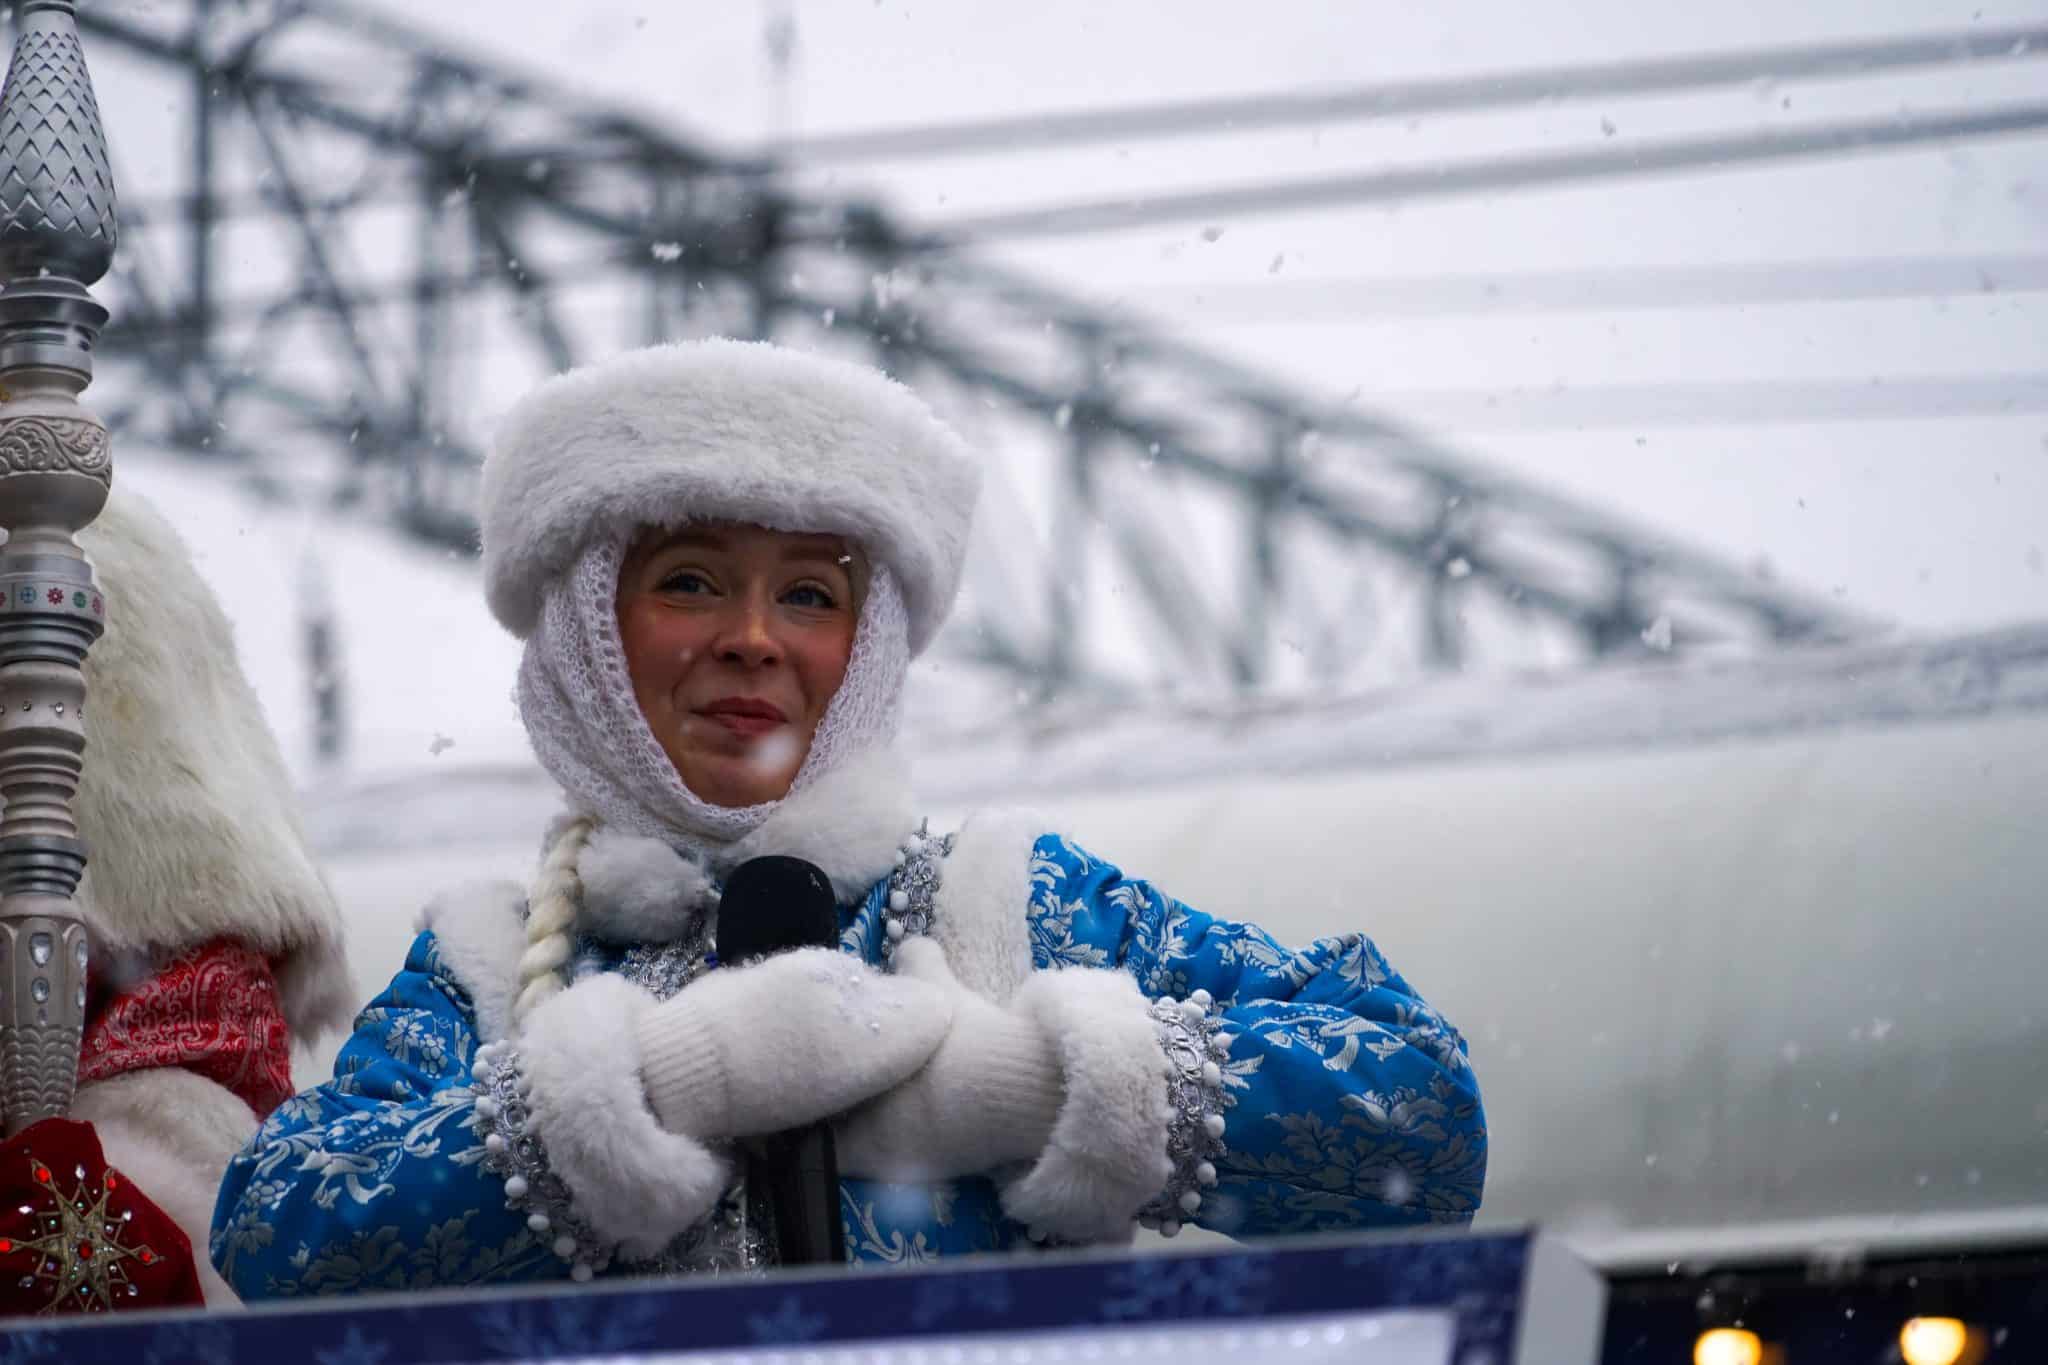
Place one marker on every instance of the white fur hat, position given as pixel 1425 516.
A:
pixel 729 430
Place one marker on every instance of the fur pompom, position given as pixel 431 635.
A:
pixel 639 890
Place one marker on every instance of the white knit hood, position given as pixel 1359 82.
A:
pixel 734 431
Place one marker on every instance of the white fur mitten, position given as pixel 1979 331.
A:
pixel 777 1044
pixel 988 1097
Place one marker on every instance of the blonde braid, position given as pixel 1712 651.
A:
pixel 550 913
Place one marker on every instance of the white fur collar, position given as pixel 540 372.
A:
pixel 849 822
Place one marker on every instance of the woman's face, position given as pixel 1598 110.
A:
pixel 736 639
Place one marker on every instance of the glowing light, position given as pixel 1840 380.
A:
pixel 1727 1346
pixel 1933 1341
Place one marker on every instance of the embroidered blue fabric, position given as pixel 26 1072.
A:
pixel 1350 1103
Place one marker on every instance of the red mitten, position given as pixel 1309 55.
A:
pixel 76 1236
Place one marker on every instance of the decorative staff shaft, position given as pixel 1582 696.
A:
pixel 56 238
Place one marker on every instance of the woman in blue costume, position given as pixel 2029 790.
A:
pixel 722 557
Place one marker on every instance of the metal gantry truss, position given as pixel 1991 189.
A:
pixel 416 235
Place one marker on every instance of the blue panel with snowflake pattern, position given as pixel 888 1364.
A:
pixel 1479 1280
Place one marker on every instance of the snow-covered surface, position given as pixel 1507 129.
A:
pixel 1071 751
pixel 1489 719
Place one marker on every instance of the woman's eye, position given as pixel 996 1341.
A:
pixel 685 582
pixel 810 595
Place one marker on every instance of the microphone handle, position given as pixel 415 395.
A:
pixel 799 1174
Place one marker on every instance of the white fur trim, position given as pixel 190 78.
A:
pixel 481 930
pixel 638 890
pixel 1107 1157
pixel 983 902
pixel 187 811
pixel 849 823
pixel 637 1184
pixel 734 430
pixel 172 1133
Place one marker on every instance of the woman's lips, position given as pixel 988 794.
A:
pixel 744 716
pixel 743 724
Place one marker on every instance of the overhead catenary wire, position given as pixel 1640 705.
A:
pixel 1295 299
pixel 1307 300
pixel 1747 402
pixel 1442 95
pixel 1398 185
pixel 1409 184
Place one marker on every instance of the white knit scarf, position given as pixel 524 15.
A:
pixel 576 700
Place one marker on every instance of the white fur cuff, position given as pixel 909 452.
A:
pixel 981 902
pixel 636 1184
pixel 1107 1157
pixel 480 928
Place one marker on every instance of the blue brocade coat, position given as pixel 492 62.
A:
pixel 1350 1104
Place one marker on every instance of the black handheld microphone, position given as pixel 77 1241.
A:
pixel 772 905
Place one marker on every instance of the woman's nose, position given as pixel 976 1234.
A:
pixel 748 639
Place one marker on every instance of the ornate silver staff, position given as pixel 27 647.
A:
pixel 56 237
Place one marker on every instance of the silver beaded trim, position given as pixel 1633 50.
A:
pixel 662 969
pixel 727 1240
pixel 911 907
pixel 515 1153
pixel 1196 1048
